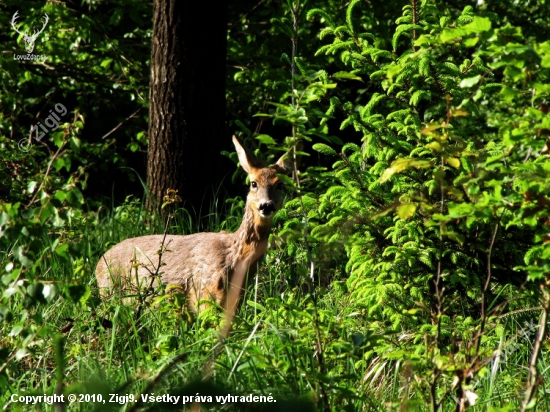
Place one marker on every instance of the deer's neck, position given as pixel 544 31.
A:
pixel 253 229
pixel 250 240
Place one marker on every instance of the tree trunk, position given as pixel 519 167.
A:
pixel 187 100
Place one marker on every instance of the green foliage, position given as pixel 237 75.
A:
pixel 44 226
pixel 410 253
pixel 96 67
pixel 442 148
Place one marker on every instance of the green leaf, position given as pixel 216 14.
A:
pixel 75 143
pixel 166 344
pixel 61 250
pixel 470 81
pixel 34 290
pixel 419 95
pixel 49 292
pixel 31 186
pixel 16 330
pixel 285 28
pixel 453 161
pixel 349 13
pixel 266 139
pixel 324 149
pixel 21 353
pixel 242 126
pixel 5 315
pixel 58 163
pixel 459 112
pixel 255 305
pixel 285 59
pixel 21 257
pixel 4 218
pixel 471 42
pixel 393 71
pixel 346 76
pixel 449 35
pixel 403 29
pixel 400 165
pixel 478 25
pixel 382 213
pixel 105 63
pixel 406 210
pixel 77 292
pixel 423 40
pixel 457 237
pixel 435 146
pixel 508 93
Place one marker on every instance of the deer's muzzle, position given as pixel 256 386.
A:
pixel 267 208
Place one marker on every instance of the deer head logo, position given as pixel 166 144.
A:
pixel 29 40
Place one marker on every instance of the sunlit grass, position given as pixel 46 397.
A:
pixel 291 339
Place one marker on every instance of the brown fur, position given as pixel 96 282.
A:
pixel 202 263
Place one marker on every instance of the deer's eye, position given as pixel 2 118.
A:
pixel 253 185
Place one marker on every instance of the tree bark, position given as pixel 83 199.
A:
pixel 187 100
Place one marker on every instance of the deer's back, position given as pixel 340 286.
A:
pixel 199 263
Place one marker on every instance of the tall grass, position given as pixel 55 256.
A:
pixel 307 351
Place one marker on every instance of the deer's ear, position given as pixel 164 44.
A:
pixel 248 161
pixel 285 164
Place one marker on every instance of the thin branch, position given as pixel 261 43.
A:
pixel 414 21
pixel 485 289
pixel 47 173
pixel 121 123
pixel 533 378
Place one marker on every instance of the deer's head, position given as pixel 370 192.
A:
pixel 266 187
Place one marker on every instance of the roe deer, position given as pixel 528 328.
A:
pixel 204 265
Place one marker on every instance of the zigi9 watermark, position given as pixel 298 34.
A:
pixel 40 130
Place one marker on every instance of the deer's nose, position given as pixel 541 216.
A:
pixel 267 208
